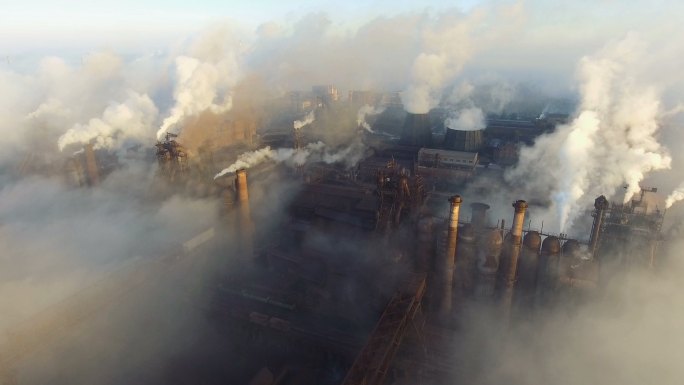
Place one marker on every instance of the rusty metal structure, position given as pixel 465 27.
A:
pixel 172 158
pixel 374 360
pixel 245 216
pixel 515 243
pixel 627 234
pixel 449 258
pixel 400 194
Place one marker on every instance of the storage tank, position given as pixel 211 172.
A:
pixel 479 214
pixel 547 270
pixel 527 270
pixel 488 258
pixel 466 263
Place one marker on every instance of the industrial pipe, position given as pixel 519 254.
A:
pixel 516 241
pixel 91 165
pixel 246 225
pixel 600 204
pixel 450 257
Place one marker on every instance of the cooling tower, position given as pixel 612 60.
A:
pixel 458 140
pixel 416 131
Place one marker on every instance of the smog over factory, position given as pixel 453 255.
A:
pixel 341 193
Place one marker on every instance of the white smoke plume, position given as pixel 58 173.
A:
pixel 317 151
pixel 467 119
pixel 132 119
pixel 675 196
pixel 447 45
pixel 611 142
pixel 364 111
pixel 446 50
pixel 200 86
pixel 252 158
pixel 308 119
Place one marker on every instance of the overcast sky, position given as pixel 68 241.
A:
pixel 76 26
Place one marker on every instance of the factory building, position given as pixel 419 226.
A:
pixel 446 167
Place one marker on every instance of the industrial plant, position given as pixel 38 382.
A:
pixel 363 273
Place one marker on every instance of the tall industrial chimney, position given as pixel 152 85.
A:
pixel 600 204
pixel 516 241
pixel 450 258
pixel 246 225
pixel 91 165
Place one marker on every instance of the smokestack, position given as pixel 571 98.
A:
pixel 600 204
pixel 246 225
pixel 416 131
pixel 91 165
pixel 479 215
pixel 516 241
pixel 450 258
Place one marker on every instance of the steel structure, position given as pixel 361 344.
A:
pixel 374 360
pixel 172 158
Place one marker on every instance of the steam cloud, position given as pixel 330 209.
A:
pixel 364 112
pixel 308 119
pixel 317 151
pixel 674 197
pixel 447 47
pixel 201 86
pixel 612 141
pixel 131 119
pixel 111 100
pixel 468 119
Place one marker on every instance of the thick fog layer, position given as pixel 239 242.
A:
pixel 622 66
